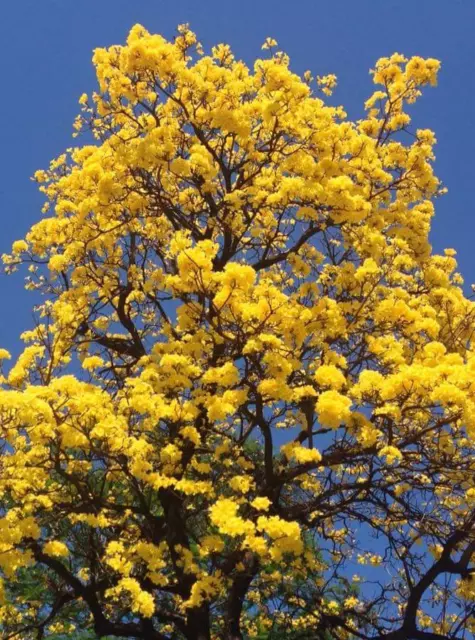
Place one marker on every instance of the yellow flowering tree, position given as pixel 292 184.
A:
pixel 247 406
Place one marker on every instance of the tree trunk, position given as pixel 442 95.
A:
pixel 198 625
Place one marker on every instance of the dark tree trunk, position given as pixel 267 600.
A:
pixel 236 598
pixel 198 624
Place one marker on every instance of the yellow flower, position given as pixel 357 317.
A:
pixel 392 454
pixel 56 548
pixel 333 409
pixel 327 375
pixel 269 43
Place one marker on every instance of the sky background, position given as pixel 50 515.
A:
pixel 46 64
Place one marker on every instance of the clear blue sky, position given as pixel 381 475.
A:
pixel 45 66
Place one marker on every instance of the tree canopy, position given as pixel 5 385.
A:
pixel 246 408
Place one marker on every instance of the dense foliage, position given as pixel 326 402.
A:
pixel 247 407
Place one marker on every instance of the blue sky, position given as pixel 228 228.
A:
pixel 46 64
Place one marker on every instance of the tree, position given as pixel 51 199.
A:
pixel 247 406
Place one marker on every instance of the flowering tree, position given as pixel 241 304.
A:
pixel 247 407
